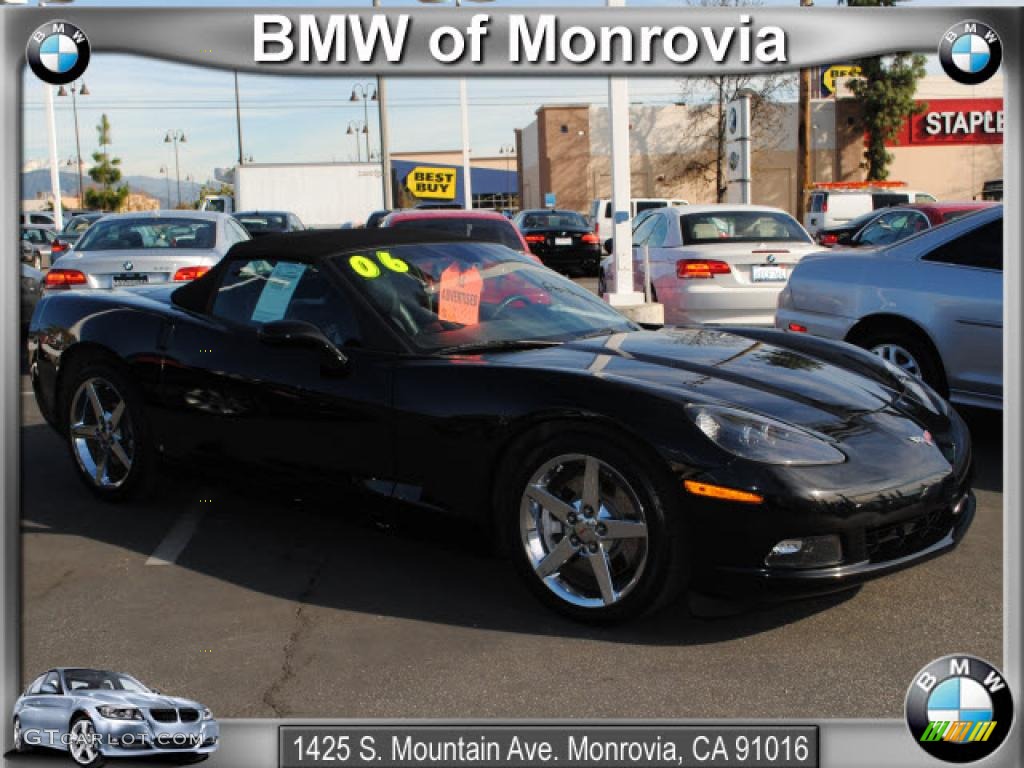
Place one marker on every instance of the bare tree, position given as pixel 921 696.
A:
pixel 702 151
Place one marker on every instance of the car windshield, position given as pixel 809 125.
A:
pixel 450 296
pixel 263 222
pixel 136 233
pixel 740 227
pixel 861 220
pixel 484 230
pixel 553 221
pixel 100 680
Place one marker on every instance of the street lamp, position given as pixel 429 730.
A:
pixel 167 177
pixel 77 90
pixel 176 137
pixel 509 151
pixel 355 127
pixel 467 191
pixel 361 92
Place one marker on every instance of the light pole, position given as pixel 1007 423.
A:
pixel 355 127
pixel 382 117
pixel 238 121
pixel 361 92
pixel 76 91
pixel 508 151
pixel 176 137
pixel 467 191
pixel 167 177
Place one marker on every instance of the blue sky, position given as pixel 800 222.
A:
pixel 287 119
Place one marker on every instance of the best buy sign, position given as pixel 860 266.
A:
pixel 431 183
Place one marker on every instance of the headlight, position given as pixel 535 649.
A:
pixel 119 713
pixel 207 714
pixel 759 438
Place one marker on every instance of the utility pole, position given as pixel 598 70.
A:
pixel 238 121
pixel 803 150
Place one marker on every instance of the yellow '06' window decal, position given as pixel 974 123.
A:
pixel 364 266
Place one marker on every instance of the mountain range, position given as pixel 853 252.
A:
pixel 36 183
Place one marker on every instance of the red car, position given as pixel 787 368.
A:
pixel 886 226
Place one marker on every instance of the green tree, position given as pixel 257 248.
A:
pixel 886 91
pixel 106 173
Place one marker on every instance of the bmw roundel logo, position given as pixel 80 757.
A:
pixel 128 266
pixel 970 52
pixel 959 709
pixel 58 52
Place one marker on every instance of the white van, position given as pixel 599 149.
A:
pixel 835 207
pixel 601 210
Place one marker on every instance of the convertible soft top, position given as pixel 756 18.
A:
pixel 309 245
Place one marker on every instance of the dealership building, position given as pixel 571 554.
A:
pixel 949 150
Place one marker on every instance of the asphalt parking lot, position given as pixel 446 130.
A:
pixel 260 604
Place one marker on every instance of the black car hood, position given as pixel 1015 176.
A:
pixel 704 365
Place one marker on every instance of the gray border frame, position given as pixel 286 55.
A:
pixel 843 742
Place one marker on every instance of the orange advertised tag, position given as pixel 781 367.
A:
pixel 459 300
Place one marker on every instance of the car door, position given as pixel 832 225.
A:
pixel 813 219
pixel 229 395
pixel 963 281
pixel 30 712
pixel 644 225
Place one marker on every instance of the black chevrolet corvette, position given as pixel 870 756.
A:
pixel 616 465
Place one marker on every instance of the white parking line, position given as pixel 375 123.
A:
pixel 177 539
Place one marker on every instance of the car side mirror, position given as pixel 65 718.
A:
pixel 609 246
pixel 299 333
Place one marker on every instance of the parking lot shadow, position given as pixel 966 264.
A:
pixel 345 552
pixel 987 439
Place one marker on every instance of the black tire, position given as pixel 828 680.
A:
pixel 139 478
pixel 928 362
pixel 19 741
pixel 666 569
pixel 98 760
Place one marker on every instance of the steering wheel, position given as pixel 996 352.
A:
pixel 507 302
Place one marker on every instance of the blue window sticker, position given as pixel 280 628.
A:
pixel 278 292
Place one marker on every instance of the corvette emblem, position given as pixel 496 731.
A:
pixel 925 439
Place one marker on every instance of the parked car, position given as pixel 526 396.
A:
pixel 992 190
pixel 931 305
pixel 601 211
pixel 31 292
pixel 563 240
pixel 616 466
pixel 73 231
pixel 259 223
pixel 38 219
pixel 375 218
pixel 40 246
pixel 483 225
pixel 890 225
pixel 146 248
pixel 94 714
pixel 717 264
pixel 834 205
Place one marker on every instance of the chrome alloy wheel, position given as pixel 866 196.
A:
pixel 899 357
pixel 584 531
pixel 83 742
pixel 101 433
pixel 18 744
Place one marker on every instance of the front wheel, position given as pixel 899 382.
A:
pixel 597 535
pixel 83 743
pixel 19 737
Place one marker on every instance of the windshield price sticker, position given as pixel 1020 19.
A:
pixel 366 267
pixel 460 295
pixel 277 293
pixel 681 746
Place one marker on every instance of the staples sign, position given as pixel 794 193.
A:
pixel 954 121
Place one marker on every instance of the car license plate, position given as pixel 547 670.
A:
pixel 563 241
pixel 125 280
pixel 768 273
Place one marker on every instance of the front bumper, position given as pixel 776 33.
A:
pixel 780 583
pixel 127 738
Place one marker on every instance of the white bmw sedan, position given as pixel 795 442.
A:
pixel 146 248
pixel 716 264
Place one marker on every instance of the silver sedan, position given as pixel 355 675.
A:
pixel 931 304
pixel 92 714
pixel 146 248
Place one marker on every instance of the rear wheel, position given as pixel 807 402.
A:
pixel 107 433
pixel 908 352
pixel 596 536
